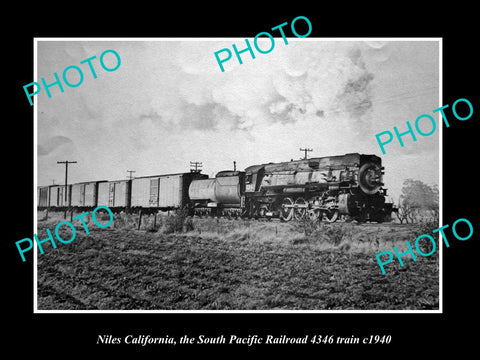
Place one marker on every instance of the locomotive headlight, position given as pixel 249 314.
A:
pixel 370 178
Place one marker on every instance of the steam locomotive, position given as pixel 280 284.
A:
pixel 326 188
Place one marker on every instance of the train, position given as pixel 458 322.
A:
pixel 328 188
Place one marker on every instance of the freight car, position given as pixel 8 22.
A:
pixel 43 197
pixel 56 196
pixel 162 192
pixel 149 193
pixel 84 195
pixel 115 194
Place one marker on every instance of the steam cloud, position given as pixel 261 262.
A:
pixel 356 95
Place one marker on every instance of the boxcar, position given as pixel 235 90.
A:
pixel 84 195
pixel 115 194
pixel 164 192
pixel 57 196
pixel 43 199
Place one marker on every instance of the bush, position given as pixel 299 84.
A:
pixel 427 227
pixel 189 224
pixel 330 233
pixel 178 222
pixel 333 234
pixel 104 215
pixel 308 226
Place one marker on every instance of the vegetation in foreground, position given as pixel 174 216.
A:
pixel 219 264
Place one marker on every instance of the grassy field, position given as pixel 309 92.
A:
pixel 232 264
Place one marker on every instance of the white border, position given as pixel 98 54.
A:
pixel 440 172
pixel 35 278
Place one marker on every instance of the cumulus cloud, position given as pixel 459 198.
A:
pixel 319 80
pixel 169 103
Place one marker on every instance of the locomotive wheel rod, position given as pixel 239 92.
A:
pixel 306 206
pixel 296 206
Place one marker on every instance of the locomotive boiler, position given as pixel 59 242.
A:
pixel 326 187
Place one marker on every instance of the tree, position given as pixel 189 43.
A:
pixel 418 201
pixel 405 211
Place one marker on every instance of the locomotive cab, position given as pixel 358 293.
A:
pixel 252 176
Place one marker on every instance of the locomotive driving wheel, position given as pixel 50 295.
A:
pixel 262 210
pixel 300 209
pixel 286 213
pixel 331 215
pixel 313 214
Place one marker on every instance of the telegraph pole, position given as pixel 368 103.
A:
pixel 130 174
pixel 66 162
pixel 195 166
pixel 305 150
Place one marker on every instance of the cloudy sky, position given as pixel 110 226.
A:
pixel 168 104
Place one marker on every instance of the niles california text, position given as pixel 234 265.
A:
pixel 250 340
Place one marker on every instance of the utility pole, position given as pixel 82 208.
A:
pixel 130 174
pixel 234 165
pixel 195 166
pixel 66 162
pixel 305 150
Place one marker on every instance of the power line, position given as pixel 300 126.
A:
pixel 306 150
pixel 66 162
pixel 195 166
pixel 130 177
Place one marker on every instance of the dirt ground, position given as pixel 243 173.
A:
pixel 233 265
